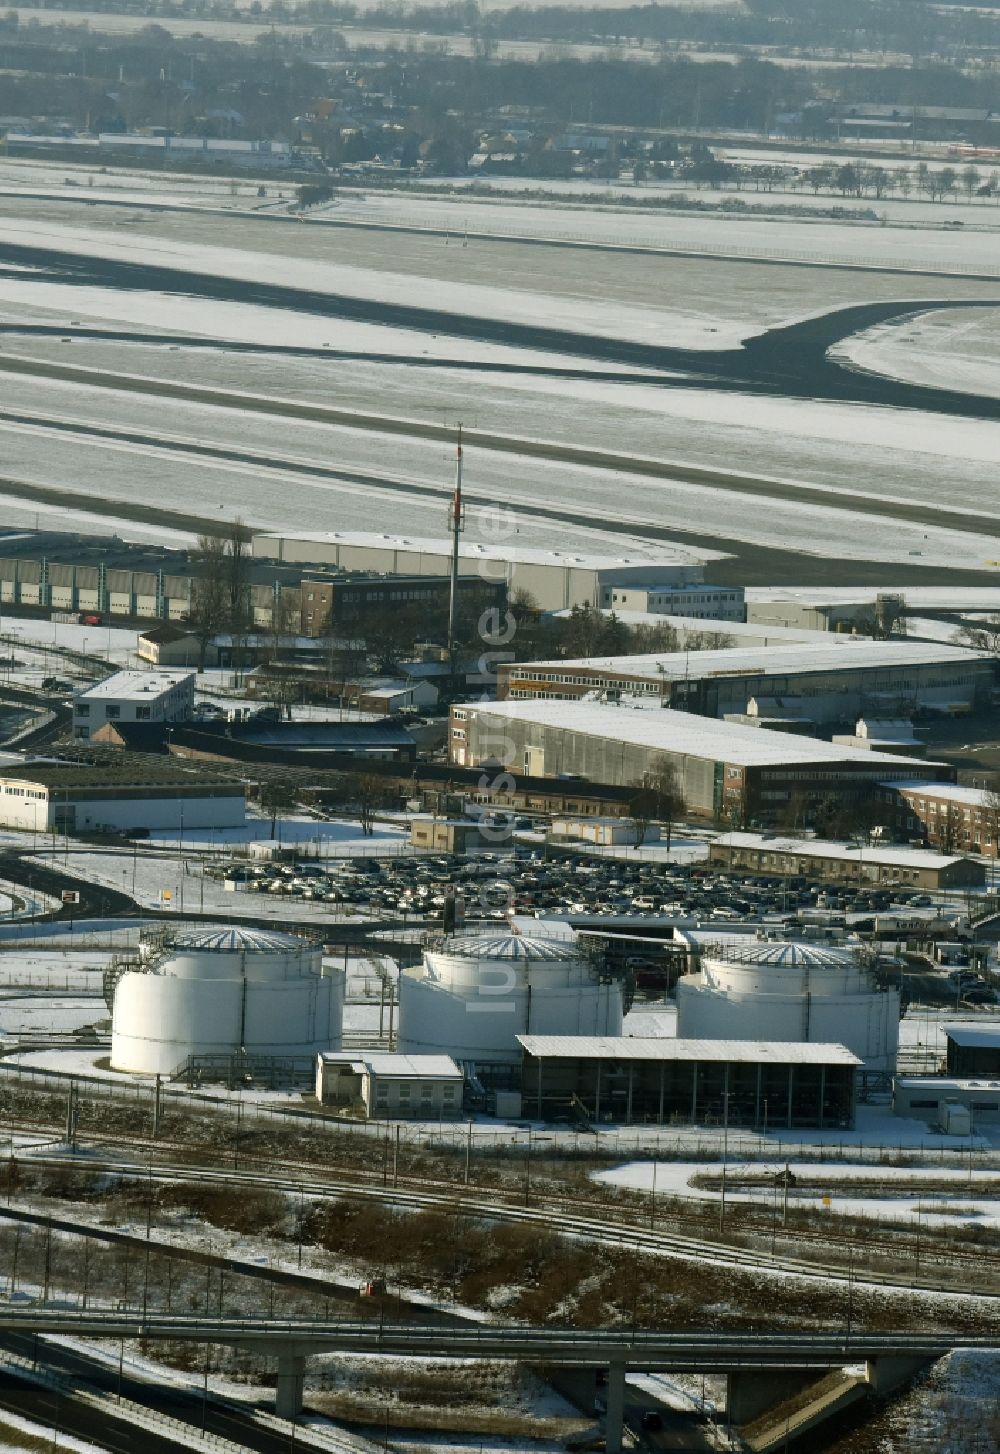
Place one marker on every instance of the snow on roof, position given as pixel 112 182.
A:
pixel 827 848
pixel 952 792
pixel 930 598
pixel 974 1036
pixel 941 1083
pixel 398 1066
pixel 828 654
pixel 131 685
pixel 635 1047
pixel 684 733
pixel 672 555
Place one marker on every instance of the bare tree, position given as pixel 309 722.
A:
pixel 277 798
pixel 657 799
pixel 208 613
pixel 368 795
pixel 949 828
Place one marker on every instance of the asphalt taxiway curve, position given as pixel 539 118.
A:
pixel 790 361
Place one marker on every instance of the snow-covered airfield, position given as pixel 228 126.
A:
pixel 606 340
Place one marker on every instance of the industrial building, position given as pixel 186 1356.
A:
pixel 102 577
pixel 835 680
pixel 819 858
pixel 161 149
pixel 133 696
pixel 554 579
pixel 721 768
pixel 759 1083
pixel 810 994
pixel 391 1085
pixel 931 1097
pixel 973 1051
pixel 703 601
pixel 50 797
pixel 214 997
pixel 475 993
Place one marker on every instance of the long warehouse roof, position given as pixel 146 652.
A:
pixel 833 654
pixel 669 555
pixel 686 734
pixel 659 1047
pixel 827 848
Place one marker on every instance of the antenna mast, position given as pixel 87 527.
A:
pixel 456 522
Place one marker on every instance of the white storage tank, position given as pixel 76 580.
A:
pixel 226 991
pixel 818 994
pixel 475 992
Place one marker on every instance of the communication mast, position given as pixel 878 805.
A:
pixel 456 523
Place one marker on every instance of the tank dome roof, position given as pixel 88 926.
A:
pixel 784 955
pixel 226 939
pixel 509 946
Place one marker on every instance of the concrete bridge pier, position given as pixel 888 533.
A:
pixel 291 1381
pixel 614 1421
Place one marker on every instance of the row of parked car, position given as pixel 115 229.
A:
pixel 536 881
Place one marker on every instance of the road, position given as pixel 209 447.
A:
pixel 641 1349
pixel 187 1404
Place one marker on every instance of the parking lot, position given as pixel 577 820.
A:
pixel 540 880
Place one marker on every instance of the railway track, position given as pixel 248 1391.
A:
pixel 565 1218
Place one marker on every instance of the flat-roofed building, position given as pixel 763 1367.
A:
pixel 619 1078
pixel 819 858
pixel 390 1085
pixel 721 769
pixel 831 680
pixel 45 797
pixel 973 1050
pixel 702 600
pixel 133 696
pixel 928 1097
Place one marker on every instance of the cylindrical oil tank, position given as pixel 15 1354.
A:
pixel 223 991
pixel 474 993
pixel 769 990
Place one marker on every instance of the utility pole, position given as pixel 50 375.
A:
pixel 725 1151
pixel 456 521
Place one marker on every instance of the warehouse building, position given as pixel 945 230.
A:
pixel 555 579
pixel 754 1083
pixel 721 768
pixel 103 577
pixel 818 858
pixel 825 681
pixel 133 696
pixel 50 797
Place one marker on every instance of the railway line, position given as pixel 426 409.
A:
pixel 564 1217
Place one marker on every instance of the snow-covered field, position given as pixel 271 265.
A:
pixel 844 1190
